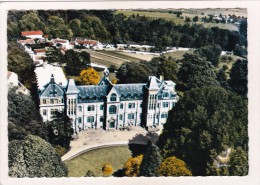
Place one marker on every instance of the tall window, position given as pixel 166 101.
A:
pixel 131 105
pixel 90 119
pixel 52 101
pixel 164 115
pixel 113 97
pixel 79 120
pixel 112 109
pixel 101 107
pixel 121 117
pixel 44 101
pixel 121 105
pixel 165 104
pixel 91 108
pixel 80 109
pixel 101 119
pixel 131 116
pixel 44 112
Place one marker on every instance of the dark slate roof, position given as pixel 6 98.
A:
pixel 130 91
pixel 92 93
pixel 52 90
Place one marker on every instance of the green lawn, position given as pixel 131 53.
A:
pixel 177 54
pixel 95 159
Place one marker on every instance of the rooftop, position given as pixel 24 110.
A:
pixel 38 32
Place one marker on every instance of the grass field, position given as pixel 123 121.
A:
pixel 95 159
pixel 153 15
pixel 190 13
pixel 177 54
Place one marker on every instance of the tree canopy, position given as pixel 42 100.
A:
pixel 60 130
pixel 132 166
pixel 205 119
pixel 34 157
pixel 76 62
pixel 172 166
pixel 196 72
pixel 151 161
pixel 238 77
pixel 89 76
pixel 132 72
pixel 23 117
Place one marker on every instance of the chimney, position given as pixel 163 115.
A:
pixel 161 78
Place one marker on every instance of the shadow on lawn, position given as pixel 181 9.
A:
pixel 138 143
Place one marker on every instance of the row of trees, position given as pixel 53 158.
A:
pixel 193 71
pixel 107 26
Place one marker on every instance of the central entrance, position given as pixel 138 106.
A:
pixel 112 124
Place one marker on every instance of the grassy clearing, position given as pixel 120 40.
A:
pixel 230 27
pixel 177 54
pixel 95 159
pixel 121 55
pixel 153 15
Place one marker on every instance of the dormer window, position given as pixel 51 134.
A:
pixel 113 97
pixel 165 95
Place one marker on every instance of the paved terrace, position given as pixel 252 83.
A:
pixel 92 139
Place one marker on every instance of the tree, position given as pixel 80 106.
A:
pixel 238 77
pixel 76 62
pixel 89 76
pixel 195 19
pixel 169 69
pixel 131 72
pixel 238 165
pixel 222 78
pixel 211 53
pixel 151 161
pixel 172 166
pixel 53 55
pixel 23 117
pixel 21 63
pixel 31 22
pixel 196 72
pixel 205 119
pixel 132 166
pixel 60 130
pixel 34 157
pixel 90 173
pixel 107 169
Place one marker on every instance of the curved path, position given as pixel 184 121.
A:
pixel 93 139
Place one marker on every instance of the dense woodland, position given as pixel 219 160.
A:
pixel 108 27
pixel 210 117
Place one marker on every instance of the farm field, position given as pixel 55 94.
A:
pixel 177 54
pixel 190 13
pixel 153 15
pixel 108 58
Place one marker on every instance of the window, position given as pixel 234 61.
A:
pixel 165 95
pixel 91 108
pixel 79 120
pixel 121 105
pixel 44 112
pixel 165 104
pixel 131 105
pixel 52 111
pixel 80 109
pixel 113 97
pixel 44 101
pixel 90 119
pixel 112 109
pixel 62 101
pixel 52 101
pixel 131 116
pixel 164 115
pixel 141 105
pixel 101 107
pixel 101 119
pixel 121 117
pixel 158 105
pixel 173 104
